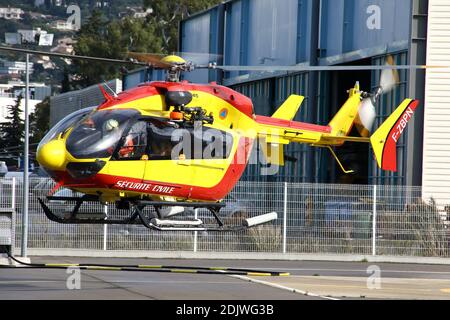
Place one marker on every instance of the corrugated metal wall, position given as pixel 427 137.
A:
pixel 200 43
pixel 269 32
pixel 296 165
pixel 272 32
pixel 267 95
pixel 135 78
pixel 261 93
pixel 66 103
pixel 436 151
pixel 266 32
pixel 344 25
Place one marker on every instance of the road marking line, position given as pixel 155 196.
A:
pixel 29 281
pixel 305 293
pixel 361 270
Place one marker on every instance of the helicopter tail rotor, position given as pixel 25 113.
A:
pixel 366 116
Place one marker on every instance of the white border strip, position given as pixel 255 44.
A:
pixel 278 286
pixel 232 255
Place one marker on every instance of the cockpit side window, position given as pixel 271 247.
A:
pixel 160 142
pixel 134 144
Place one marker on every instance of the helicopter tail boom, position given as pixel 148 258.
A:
pixel 275 133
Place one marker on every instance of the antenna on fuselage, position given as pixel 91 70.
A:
pixel 110 89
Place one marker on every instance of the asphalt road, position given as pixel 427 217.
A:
pixel 307 280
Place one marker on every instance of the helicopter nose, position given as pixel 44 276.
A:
pixel 52 155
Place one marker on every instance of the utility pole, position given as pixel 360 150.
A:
pixel 25 165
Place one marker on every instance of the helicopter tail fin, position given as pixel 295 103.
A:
pixel 384 140
pixel 289 108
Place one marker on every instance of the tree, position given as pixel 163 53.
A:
pixel 100 38
pixel 65 83
pixel 91 41
pixel 12 131
pixel 167 15
pixel 40 120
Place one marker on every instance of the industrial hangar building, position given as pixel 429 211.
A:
pixel 316 32
pixel 329 33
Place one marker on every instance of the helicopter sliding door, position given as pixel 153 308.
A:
pixel 182 157
pixel 168 174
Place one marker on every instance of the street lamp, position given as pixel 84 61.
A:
pixel 25 164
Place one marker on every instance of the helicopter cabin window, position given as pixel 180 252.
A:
pixel 134 144
pixel 168 140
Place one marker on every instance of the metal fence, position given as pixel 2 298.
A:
pixel 313 218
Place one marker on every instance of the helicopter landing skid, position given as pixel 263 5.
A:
pixel 138 216
pixel 75 218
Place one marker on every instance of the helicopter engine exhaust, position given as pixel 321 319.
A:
pixel 254 221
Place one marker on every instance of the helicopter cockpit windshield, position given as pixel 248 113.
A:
pixel 63 125
pixel 97 135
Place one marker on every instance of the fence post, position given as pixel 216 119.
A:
pixel 195 232
pixel 13 193
pixel 13 206
pixel 105 228
pixel 284 216
pixel 374 221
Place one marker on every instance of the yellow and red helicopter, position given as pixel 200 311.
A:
pixel 174 144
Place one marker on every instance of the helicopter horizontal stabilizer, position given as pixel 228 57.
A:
pixel 384 140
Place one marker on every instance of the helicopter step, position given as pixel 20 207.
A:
pixel 172 225
pixel 169 222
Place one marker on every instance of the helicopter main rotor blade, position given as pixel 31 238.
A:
pixel 389 78
pixel 194 57
pixel 154 60
pixel 150 58
pixel 70 56
pixel 324 68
